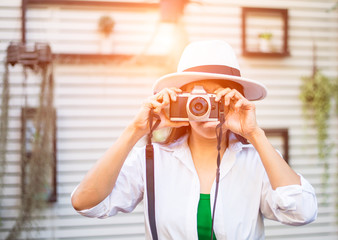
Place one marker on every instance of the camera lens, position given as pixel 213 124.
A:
pixel 198 106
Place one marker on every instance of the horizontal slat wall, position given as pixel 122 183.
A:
pixel 96 101
pixel 308 23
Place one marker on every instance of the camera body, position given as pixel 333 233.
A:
pixel 198 106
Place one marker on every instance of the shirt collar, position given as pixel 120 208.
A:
pixel 181 151
pixel 179 146
pixel 234 144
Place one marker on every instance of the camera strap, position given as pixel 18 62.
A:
pixel 219 142
pixel 150 180
pixel 150 174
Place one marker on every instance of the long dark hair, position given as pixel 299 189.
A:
pixel 177 133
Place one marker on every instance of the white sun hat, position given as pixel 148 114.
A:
pixel 210 60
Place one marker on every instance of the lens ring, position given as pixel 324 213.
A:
pixel 198 106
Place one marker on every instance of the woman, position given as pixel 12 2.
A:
pixel 255 181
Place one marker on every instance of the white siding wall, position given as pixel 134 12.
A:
pixel 95 101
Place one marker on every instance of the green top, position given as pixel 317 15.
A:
pixel 204 218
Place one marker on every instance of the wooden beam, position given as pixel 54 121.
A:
pixel 23 20
pixel 97 3
pixel 155 60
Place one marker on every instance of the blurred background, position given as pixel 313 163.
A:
pixel 74 74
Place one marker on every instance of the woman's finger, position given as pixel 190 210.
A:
pixel 151 103
pixel 166 94
pixel 242 102
pixel 239 103
pixel 172 93
pixel 229 96
pixel 221 92
pixel 165 99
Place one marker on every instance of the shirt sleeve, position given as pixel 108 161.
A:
pixel 127 192
pixel 291 205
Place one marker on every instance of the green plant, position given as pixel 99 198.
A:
pixel 265 35
pixel 335 92
pixel 106 25
pixel 316 94
pixel 37 172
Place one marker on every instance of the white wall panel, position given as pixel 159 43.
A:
pixel 95 101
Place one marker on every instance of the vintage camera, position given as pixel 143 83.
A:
pixel 198 106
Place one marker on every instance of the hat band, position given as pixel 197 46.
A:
pixel 218 69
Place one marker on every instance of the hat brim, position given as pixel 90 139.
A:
pixel 252 89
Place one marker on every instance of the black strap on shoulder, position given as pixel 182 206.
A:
pixel 219 141
pixel 150 174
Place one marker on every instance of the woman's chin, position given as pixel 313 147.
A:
pixel 209 124
pixel 205 129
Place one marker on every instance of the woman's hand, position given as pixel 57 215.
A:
pixel 240 113
pixel 240 118
pixel 158 103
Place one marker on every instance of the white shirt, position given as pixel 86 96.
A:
pixel 245 195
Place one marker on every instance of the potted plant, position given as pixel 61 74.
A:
pixel 106 26
pixel 265 41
